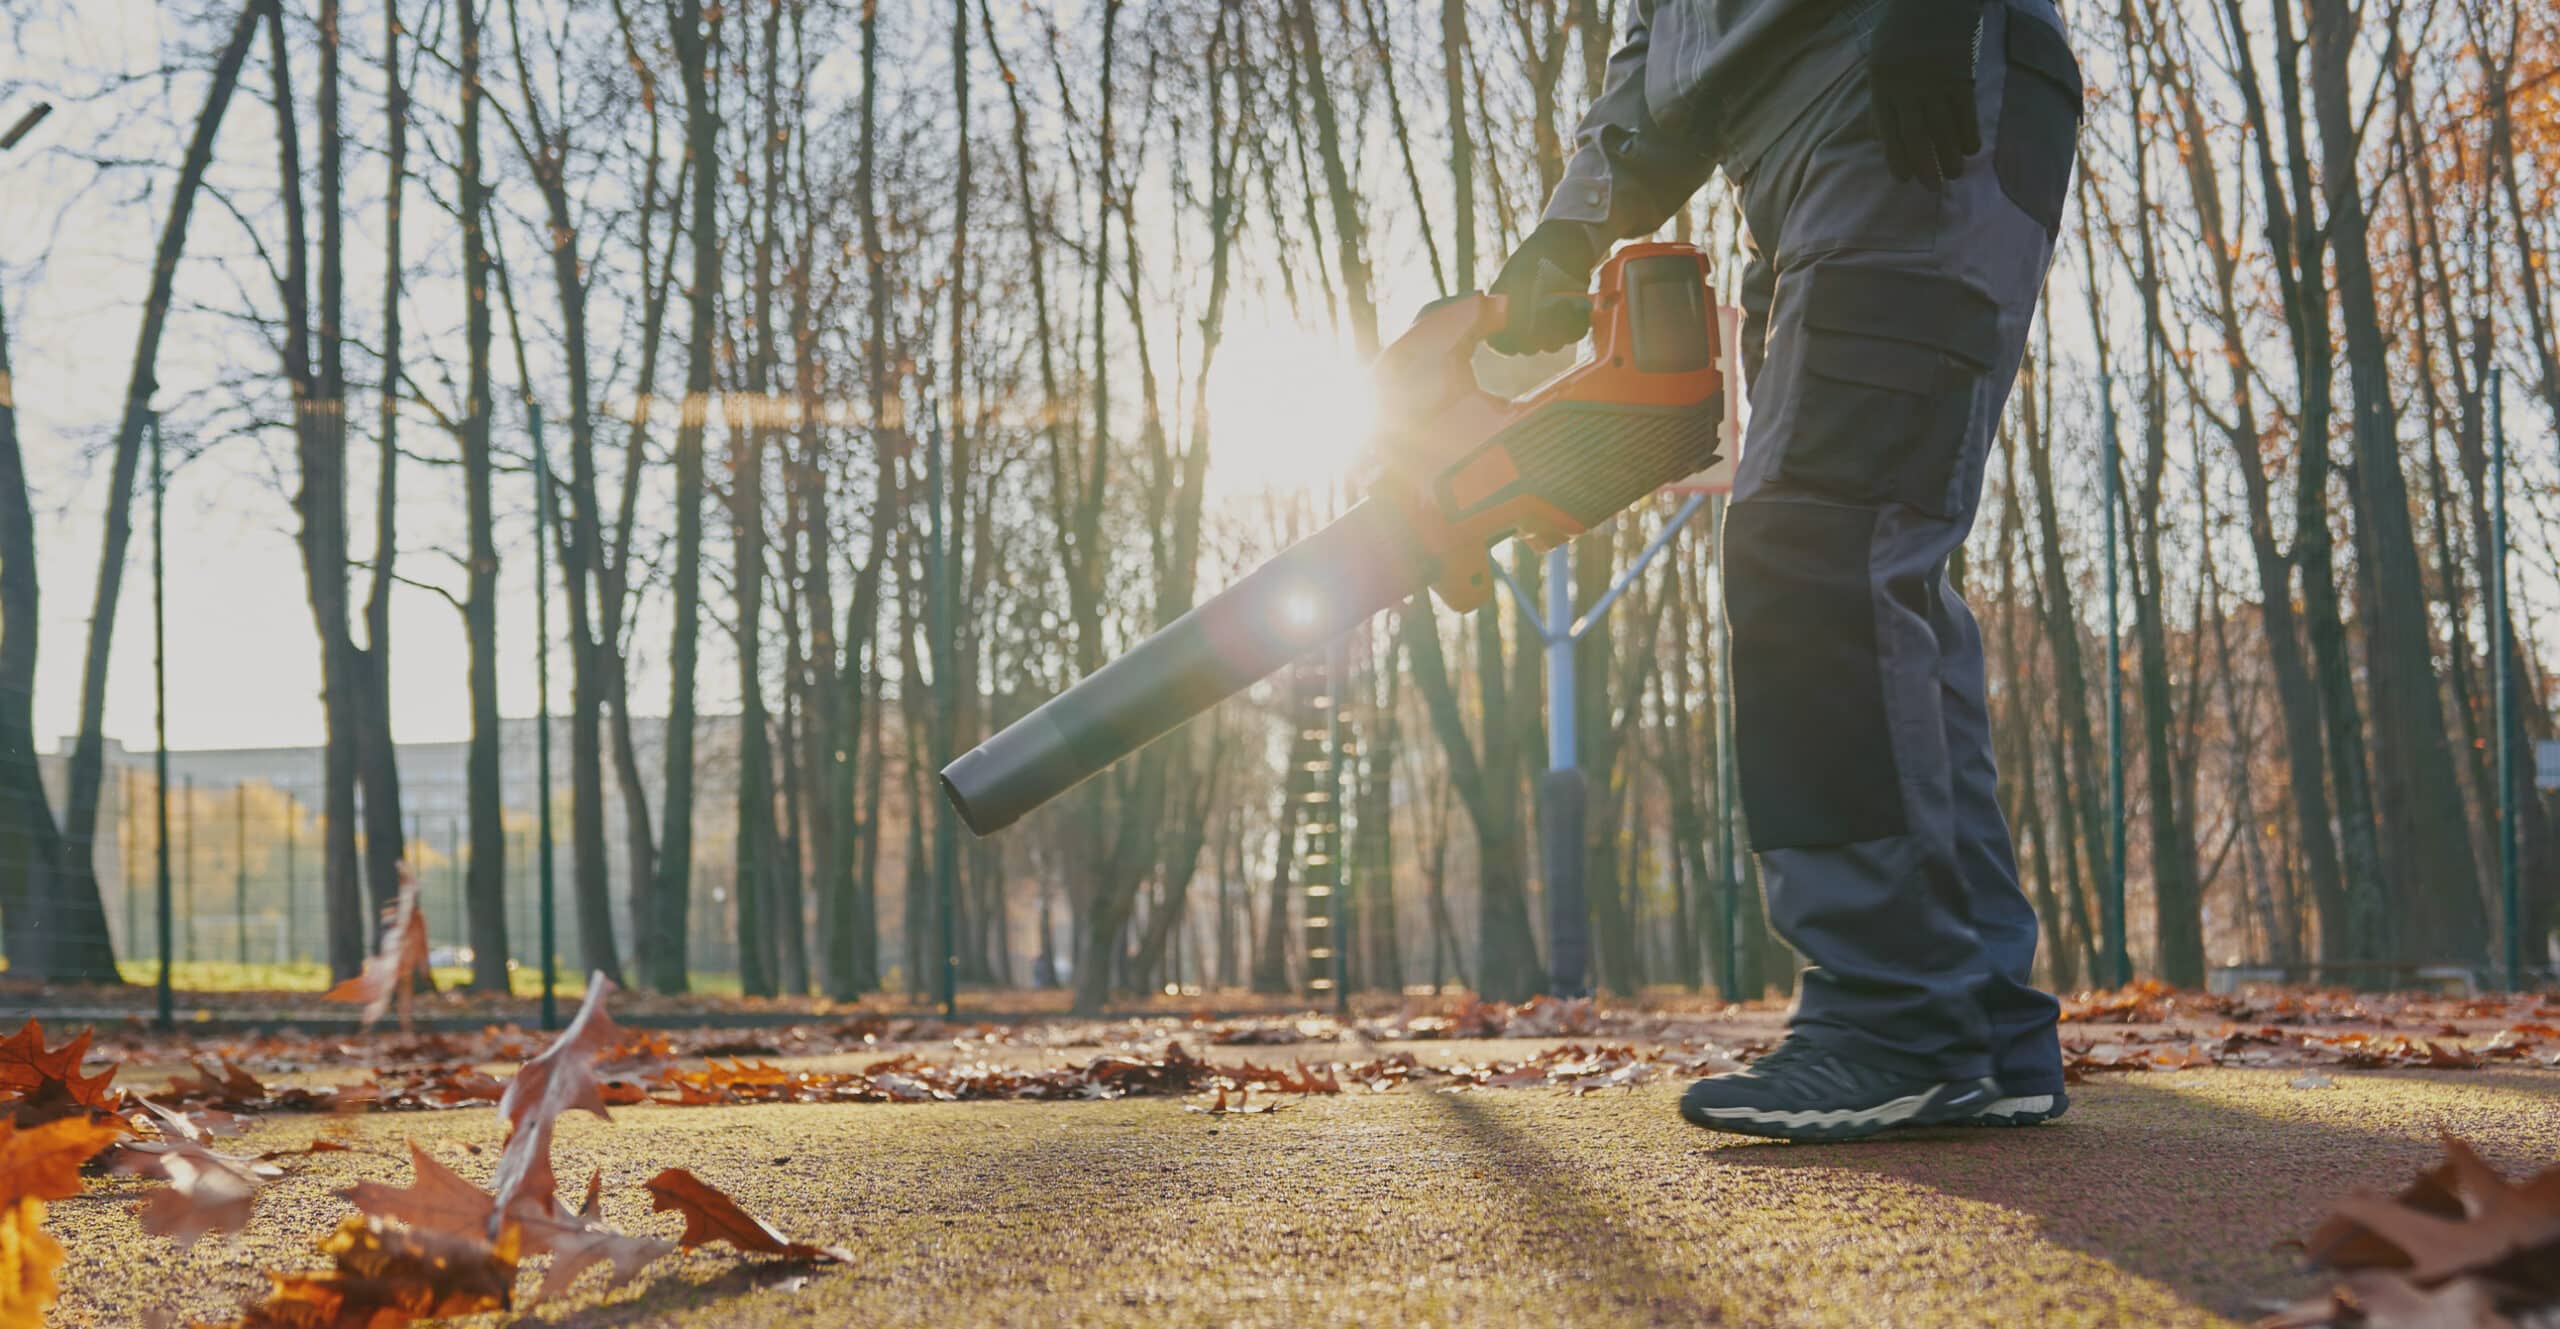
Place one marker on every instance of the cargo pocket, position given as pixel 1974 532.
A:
pixel 1811 743
pixel 2039 120
pixel 1885 396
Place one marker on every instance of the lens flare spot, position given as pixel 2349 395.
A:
pixel 1298 611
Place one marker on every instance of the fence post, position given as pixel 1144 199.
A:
pixel 240 872
pixel 160 718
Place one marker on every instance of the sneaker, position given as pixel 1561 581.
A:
pixel 2021 1110
pixel 1803 1092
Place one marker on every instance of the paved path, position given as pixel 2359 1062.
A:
pixel 2161 1200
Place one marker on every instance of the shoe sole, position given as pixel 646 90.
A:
pixel 2030 1110
pixel 1935 1105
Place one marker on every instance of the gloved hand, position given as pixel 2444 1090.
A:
pixel 1920 87
pixel 1555 260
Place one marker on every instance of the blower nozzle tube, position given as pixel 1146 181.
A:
pixel 1312 592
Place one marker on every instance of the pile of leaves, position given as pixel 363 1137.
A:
pixel 911 1078
pixel 440 1246
pixel 2527 1043
pixel 2150 1001
pixel 2462 1247
pixel 2146 1027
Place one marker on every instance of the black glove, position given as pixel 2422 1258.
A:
pixel 1554 261
pixel 1920 87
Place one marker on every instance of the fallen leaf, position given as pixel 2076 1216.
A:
pixel 38 1164
pixel 2311 1080
pixel 578 1241
pixel 315 1147
pixel 2488 1221
pixel 437 1199
pixel 207 1192
pixel 562 1078
pixel 219 1083
pixel 387 1276
pixel 1241 1106
pixel 390 974
pixel 27 1261
pixel 2389 1301
pixel 710 1215
pixel 44 1083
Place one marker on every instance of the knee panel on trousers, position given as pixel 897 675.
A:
pixel 1813 749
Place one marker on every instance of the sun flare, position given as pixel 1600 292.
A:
pixel 1288 409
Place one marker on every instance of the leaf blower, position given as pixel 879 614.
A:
pixel 1461 469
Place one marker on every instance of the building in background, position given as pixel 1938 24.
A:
pixel 244 829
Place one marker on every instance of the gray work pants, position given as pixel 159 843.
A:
pixel 1888 319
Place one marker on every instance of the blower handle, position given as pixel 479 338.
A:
pixel 1559 308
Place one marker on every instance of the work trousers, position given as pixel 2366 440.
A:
pixel 1884 321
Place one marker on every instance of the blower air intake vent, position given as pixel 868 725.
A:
pixel 1594 459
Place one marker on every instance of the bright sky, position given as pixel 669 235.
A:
pixel 74 264
pixel 244 669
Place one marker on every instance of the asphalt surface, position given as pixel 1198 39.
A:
pixel 2164 1198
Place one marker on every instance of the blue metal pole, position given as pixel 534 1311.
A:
pixel 1564 795
pixel 1560 680
pixel 1728 855
pixel 2119 963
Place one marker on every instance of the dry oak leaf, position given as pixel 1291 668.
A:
pixel 38 1164
pixel 710 1215
pixel 440 1200
pixel 2459 1217
pixel 43 1162
pixel 437 1199
pixel 390 973
pixel 2389 1301
pixel 562 1078
pixel 207 1192
pixel 220 1082
pixel 576 1241
pixel 46 1084
pixel 27 1260
pixel 1241 1105
pixel 388 1276
pixel 2378 1299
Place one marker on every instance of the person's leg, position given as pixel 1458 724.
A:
pixel 1898 319
pixel 2029 101
pixel 2026 1057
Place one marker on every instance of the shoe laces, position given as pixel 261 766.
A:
pixel 1800 1059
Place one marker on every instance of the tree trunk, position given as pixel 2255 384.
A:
pixel 377 756
pixel 670 897
pixel 40 939
pixel 612 564
pixel 2440 916
pixel 320 451
pixel 79 889
pixel 487 891
pixel 1507 961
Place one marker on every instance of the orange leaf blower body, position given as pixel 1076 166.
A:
pixel 1462 470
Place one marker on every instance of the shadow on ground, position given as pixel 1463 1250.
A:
pixel 2201 1183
